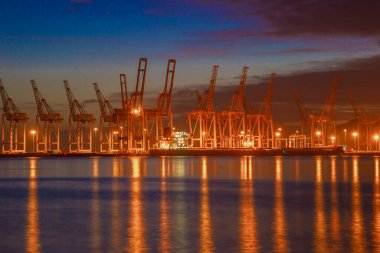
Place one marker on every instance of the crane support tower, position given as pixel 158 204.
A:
pixel 80 125
pixel 202 122
pixel 47 125
pixel 108 125
pixel 231 123
pixel 260 132
pixel 13 125
pixel 137 120
pixel 161 117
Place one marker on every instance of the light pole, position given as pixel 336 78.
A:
pixel 333 140
pixel 345 137
pixel 376 137
pixel 95 131
pixel 318 133
pixel 278 134
pixel 355 134
pixel 33 132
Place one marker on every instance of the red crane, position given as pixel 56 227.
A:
pixel 202 122
pixel 13 125
pixel 47 124
pixel 231 123
pixel 80 124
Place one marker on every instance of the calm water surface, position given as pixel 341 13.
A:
pixel 190 204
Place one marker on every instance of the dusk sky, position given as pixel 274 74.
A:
pixel 304 42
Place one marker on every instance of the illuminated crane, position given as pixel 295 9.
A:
pixel 13 125
pixel 47 124
pixel 202 122
pixel 366 126
pixel 321 126
pixel 137 122
pixel 308 119
pixel 260 125
pixel 80 125
pixel 326 124
pixel 121 115
pixel 162 115
pixel 231 123
pixel 108 128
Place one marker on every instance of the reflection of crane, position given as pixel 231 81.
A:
pixel 47 124
pixel 137 125
pixel 202 122
pixel 108 130
pixel 231 123
pixel 260 125
pixel 80 134
pixel 13 136
pixel 366 124
pixel 162 114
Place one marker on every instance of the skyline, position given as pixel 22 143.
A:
pixel 87 41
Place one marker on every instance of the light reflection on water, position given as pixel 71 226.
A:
pixel 33 228
pixel 172 204
pixel 248 227
pixel 280 227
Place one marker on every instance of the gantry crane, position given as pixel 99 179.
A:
pixel 47 124
pixel 137 121
pixel 108 125
pixel 202 122
pixel 322 126
pixel 307 123
pixel 13 125
pixel 326 124
pixel 161 116
pixel 260 132
pixel 80 125
pixel 366 124
pixel 231 123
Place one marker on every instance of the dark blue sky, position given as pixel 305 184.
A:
pixel 95 40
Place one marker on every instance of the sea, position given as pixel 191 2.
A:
pixel 190 204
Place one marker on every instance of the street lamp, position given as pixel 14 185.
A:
pixel 345 137
pixel 376 137
pixel 278 134
pixel 318 133
pixel 95 131
pixel 355 134
pixel 33 133
pixel 332 140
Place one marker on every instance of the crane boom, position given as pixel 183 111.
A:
pixel 328 107
pixel 163 105
pixel 37 96
pixel 103 103
pixel 360 112
pixel 4 98
pixel 75 107
pixel 124 91
pixel 237 102
pixel 137 96
pixel 304 111
pixel 268 98
pixel 207 101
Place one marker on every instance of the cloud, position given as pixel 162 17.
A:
pixel 300 17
